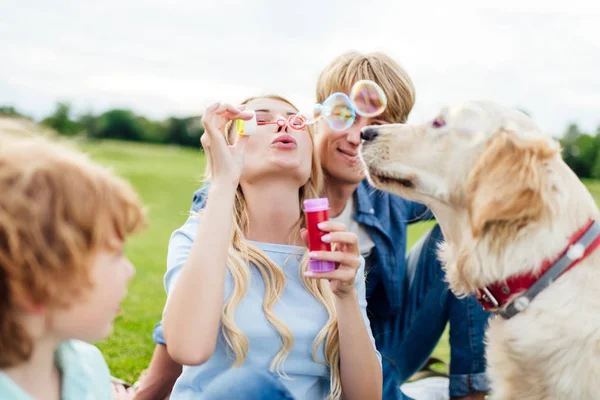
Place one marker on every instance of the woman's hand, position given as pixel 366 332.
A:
pixel 362 380
pixel 345 254
pixel 225 160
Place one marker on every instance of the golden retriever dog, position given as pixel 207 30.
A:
pixel 520 233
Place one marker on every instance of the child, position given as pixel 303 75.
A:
pixel 63 271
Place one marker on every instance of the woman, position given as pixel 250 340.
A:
pixel 239 291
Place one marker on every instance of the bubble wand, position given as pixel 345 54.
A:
pixel 339 110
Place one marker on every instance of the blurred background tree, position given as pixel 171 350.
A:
pixel 119 124
pixel 579 149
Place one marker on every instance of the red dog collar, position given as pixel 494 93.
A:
pixel 496 297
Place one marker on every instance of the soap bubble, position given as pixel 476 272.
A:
pixel 314 115
pixel 338 111
pixel 368 98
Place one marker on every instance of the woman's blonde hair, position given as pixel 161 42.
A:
pixel 348 68
pixel 57 209
pixel 242 254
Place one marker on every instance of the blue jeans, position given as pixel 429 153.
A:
pixel 245 383
pixel 407 340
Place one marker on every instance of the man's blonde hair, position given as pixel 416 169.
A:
pixel 57 209
pixel 348 68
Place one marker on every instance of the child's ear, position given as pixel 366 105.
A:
pixel 34 309
pixel 27 304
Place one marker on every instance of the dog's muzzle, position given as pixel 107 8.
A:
pixel 368 134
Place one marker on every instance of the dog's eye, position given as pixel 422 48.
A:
pixel 439 122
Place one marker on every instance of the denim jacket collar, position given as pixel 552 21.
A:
pixel 370 203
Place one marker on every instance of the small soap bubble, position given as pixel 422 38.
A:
pixel 340 111
pixel 310 117
pixel 318 110
pixel 325 111
pixel 368 98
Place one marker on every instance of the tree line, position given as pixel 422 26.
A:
pixel 580 149
pixel 121 124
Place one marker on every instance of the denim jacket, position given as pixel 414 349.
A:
pixel 386 218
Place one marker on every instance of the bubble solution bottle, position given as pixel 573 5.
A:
pixel 316 211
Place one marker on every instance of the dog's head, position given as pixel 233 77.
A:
pixel 431 162
pixel 477 155
pixel 481 168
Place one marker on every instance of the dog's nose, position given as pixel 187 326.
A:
pixel 368 134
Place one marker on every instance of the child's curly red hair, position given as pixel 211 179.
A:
pixel 57 208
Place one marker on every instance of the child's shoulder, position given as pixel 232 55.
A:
pixel 85 372
pixel 85 375
pixel 10 390
pixel 80 348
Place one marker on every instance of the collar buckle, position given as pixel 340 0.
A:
pixel 485 296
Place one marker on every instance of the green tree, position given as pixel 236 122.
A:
pixel 572 133
pixel 185 131
pixel 596 166
pixel 153 132
pixel 119 124
pixel 570 151
pixel 580 155
pixel 61 121
pixel 89 123
pixel 10 111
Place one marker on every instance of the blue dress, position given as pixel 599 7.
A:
pixel 297 308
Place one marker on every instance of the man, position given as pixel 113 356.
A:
pixel 409 303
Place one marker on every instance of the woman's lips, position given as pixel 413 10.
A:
pixel 284 142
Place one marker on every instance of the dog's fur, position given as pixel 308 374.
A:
pixel 505 201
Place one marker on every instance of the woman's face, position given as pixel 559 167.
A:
pixel 276 152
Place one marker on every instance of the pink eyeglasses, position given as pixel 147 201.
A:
pixel 294 121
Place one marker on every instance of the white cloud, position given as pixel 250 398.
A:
pixel 175 57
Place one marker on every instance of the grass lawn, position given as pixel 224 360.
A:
pixel 165 177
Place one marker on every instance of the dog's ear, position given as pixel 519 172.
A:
pixel 469 124
pixel 505 189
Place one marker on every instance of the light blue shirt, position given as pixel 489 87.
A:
pixel 85 375
pixel 297 308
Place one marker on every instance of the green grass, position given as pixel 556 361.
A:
pixel 594 188
pixel 165 177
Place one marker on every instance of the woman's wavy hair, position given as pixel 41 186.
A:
pixel 243 254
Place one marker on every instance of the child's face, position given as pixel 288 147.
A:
pixel 91 317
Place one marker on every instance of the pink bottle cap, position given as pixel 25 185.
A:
pixel 320 204
pixel 321 265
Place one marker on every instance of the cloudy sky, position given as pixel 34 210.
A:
pixel 173 57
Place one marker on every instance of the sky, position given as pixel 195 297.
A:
pixel 175 57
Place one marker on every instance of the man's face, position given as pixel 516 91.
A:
pixel 339 150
